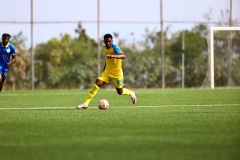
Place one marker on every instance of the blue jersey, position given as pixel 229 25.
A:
pixel 5 54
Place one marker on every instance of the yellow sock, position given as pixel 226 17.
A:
pixel 126 92
pixel 91 94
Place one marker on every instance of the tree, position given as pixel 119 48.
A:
pixel 66 62
pixel 195 54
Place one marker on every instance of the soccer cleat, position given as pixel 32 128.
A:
pixel 133 98
pixel 82 106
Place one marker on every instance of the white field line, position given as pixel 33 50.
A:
pixel 68 108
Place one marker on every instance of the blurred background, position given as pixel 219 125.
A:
pixel 167 42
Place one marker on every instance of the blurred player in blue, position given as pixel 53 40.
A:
pixel 7 57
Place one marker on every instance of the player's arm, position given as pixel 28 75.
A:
pixel 13 59
pixel 117 56
pixel 118 53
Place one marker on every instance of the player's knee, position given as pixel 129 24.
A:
pixel 119 91
pixel 100 83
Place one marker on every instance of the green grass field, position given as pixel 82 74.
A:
pixel 170 124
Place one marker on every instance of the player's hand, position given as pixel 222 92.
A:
pixel 8 63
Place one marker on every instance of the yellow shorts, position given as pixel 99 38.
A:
pixel 118 81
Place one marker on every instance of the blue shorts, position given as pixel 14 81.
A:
pixel 4 71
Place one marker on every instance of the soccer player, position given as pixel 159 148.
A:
pixel 112 71
pixel 7 57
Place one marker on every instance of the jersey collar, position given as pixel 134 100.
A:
pixel 6 45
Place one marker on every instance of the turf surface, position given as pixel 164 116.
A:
pixel 172 124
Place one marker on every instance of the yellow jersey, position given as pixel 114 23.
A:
pixel 113 65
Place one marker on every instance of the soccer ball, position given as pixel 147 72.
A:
pixel 103 104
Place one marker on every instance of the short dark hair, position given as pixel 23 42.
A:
pixel 108 36
pixel 6 35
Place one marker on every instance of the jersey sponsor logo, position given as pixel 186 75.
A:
pixel 120 82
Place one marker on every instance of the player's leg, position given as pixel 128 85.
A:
pixel 2 79
pixel 98 84
pixel 125 91
pixel 91 94
pixel 1 83
pixel 101 80
pixel 119 83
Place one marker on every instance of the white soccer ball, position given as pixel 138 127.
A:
pixel 103 104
